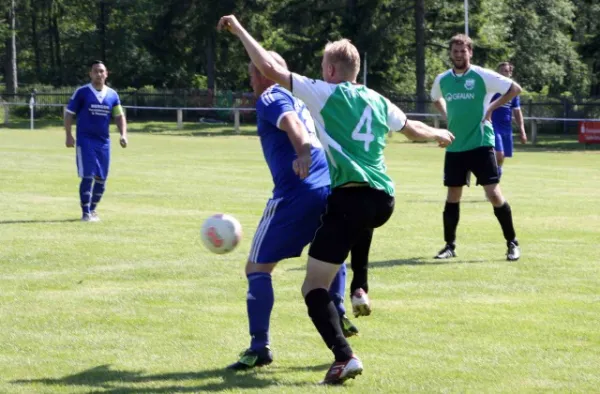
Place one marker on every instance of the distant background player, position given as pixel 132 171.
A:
pixel 502 121
pixel 301 178
pixel 94 104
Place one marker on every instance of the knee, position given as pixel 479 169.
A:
pixel 252 268
pixel 99 180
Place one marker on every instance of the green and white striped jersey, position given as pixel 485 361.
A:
pixel 467 99
pixel 352 122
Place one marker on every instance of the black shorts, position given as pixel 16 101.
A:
pixel 349 212
pixel 480 161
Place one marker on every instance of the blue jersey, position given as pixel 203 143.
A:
pixel 502 117
pixel 94 110
pixel 277 148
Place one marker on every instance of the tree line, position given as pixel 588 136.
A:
pixel 554 44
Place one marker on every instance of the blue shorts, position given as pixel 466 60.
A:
pixel 288 224
pixel 504 142
pixel 93 158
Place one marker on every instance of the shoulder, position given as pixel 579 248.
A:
pixel 440 76
pixel 81 90
pixel 274 95
pixel 485 73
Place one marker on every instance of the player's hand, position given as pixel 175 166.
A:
pixel 70 141
pixel 523 137
pixel 301 166
pixel 229 22
pixel 444 138
pixel 123 142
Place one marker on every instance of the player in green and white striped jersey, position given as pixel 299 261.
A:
pixel 352 122
pixel 462 94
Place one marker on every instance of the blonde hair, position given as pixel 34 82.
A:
pixel 461 39
pixel 345 55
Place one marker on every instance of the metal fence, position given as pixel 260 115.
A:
pixel 198 105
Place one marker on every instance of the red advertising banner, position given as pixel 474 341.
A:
pixel 589 132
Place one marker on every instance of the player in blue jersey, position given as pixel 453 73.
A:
pixel 94 105
pixel 502 121
pixel 301 177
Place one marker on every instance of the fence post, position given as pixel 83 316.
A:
pixel 533 131
pixel 31 110
pixel 179 119
pixel 6 114
pixel 236 121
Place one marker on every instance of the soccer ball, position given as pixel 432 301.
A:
pixel 221 233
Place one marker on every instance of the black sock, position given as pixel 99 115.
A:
pixel 325 318
pixel 504 215
pixel 360 261
pixel 451 217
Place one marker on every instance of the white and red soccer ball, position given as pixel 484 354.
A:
pixel 221 233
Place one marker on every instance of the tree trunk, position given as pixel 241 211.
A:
pixel 11 52
pixel 420 53
pixel 34 39
pixel 102 29
pixel 56 36
pixel 210 60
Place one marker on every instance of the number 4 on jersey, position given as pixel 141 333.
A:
pixel 365 120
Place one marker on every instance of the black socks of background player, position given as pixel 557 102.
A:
pixel 327 321
pixel 504 215
pixel 451 217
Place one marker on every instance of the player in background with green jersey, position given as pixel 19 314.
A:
pixel 352 122
pixel 462 94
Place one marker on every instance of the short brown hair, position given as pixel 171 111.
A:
pixel 344 54
pixel 461 39
pixel 509 64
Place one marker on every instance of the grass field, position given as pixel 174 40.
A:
pixel 135 304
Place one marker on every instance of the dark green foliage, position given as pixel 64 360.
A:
pixel 555 44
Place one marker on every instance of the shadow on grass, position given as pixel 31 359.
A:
pixel 38 221
pixel 108 380
pixel 423 261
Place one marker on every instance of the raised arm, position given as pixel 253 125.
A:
pixel 419 131
pixel 259 56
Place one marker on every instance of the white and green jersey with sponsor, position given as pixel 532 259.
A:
pixel 352 122
pixel 467 99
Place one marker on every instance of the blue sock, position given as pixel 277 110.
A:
pixel 337 289
pixel 85 194
pixel 260 300
pixel 97 192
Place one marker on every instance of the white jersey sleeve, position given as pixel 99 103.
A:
pixel 436 90
pixel 313 92
pixel 494 82
pixel 396 118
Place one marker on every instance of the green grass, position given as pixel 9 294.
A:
pixel 135 304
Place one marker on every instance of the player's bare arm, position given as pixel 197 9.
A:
pixel 259 56
pixel 122 126
pixel 68 120
pixel 513 92
pixel 293 126
pixel 440 105
pixel 419 131
pixel 518 116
